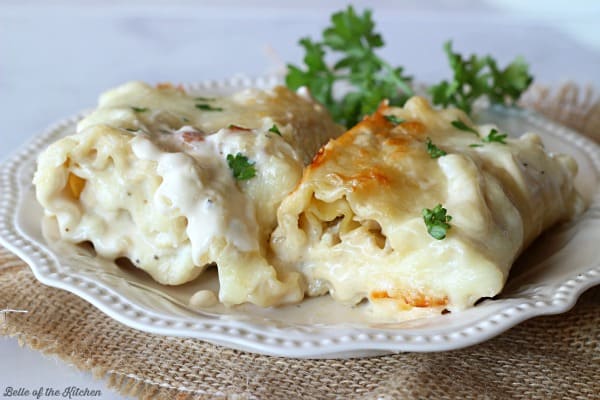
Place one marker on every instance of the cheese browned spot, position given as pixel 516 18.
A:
pixel 410 299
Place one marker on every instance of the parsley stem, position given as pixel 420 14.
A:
pixel 400 82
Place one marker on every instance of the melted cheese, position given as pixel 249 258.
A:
pixel 146 178
pixel 354 224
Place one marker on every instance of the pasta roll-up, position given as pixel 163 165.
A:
pixel 176 183
pixel 355 225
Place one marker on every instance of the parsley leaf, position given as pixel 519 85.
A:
pixel 208 107
pixel 476 77
pixel 204 99
pixel 475 145
pixel 437 221
pixel 394 120
pixel 351 40
pixel 139 109
pixel 509 83
pixel 495 136
pixel 275 129
pixel 433 150
pixel 458 124
pixel 241 168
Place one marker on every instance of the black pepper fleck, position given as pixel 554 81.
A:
pixel 542 172
pixel 155 257
pixel 137 260
pixel 525 164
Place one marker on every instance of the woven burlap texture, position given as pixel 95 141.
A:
pixel 555 357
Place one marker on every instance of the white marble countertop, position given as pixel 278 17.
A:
pixel 55 60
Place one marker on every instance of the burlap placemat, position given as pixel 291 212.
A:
pixel 556 357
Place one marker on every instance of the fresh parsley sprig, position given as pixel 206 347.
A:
pixel 351 42
pixel 495 136
pixel 352 39
pixel 437 221
pixel 241 168
pixel 476 77
pixel 394 120
pixel 275 130
pixel 458 124
pixel 208 107
pixel 433 150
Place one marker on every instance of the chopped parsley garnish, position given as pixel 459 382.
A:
pixel 351 41
pixel 275 129
pixel 437 221
pixel 241 168
pixel 433 150
pixel 208 107
pixel 139 109
pixel 394 120
pixel 458 124
pixel 495 136
pixel 131 129
pixel 184 119
pixel 476 77
pixel 204 99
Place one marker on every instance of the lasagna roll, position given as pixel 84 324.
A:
pixel 356 228
pixel 175 183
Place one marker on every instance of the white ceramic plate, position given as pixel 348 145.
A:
pixel 547 279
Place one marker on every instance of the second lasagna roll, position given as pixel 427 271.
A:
pixel 175 183
pixel 355 228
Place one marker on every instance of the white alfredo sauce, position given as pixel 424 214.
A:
pixel 201 185
pixel 146 177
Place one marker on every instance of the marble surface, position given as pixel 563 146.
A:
pixel 55 60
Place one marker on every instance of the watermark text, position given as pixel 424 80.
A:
pixel 68 392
